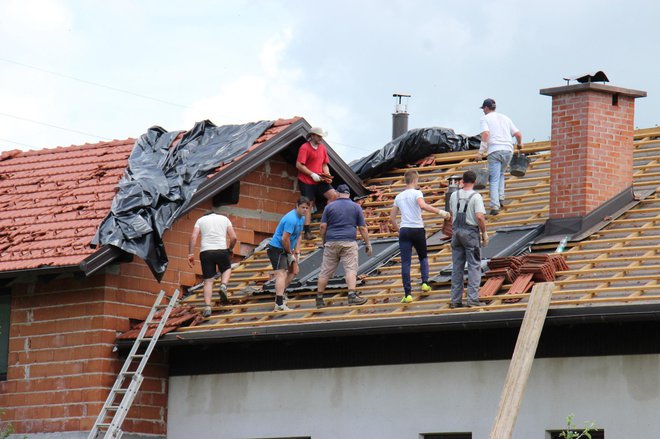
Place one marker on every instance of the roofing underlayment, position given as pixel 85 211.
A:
pixel 53 200
pixel 618 264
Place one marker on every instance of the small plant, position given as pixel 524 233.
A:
pixel 572 433
pixel 7 429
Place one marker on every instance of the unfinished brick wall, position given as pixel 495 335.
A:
pixel 592 147
pixel 266 195
pixel 61 359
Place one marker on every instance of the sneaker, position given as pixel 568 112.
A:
pixel 407 299
pixel 207 312
pixel 307 236
pixel 426 287
pixel 354 299
pixel 320 303
pixel 473 304
pixel 494 212
pixel 502 202
pixel 281 308
pixel 223 293
pixel 453 305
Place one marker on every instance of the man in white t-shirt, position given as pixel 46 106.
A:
pixel 410 203
pixel 497 131
pixel 468 235
pixel 214 254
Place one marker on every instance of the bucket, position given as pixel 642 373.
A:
pixel 519 163
pixel 482 178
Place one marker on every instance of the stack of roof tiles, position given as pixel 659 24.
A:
pixel 521 272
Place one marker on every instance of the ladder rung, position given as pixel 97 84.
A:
pixel 130 391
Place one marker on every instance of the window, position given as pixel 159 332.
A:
pixel 554 434
pixel 446 436
pixel 5 303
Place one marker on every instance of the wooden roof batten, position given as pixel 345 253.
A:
pixel 616 266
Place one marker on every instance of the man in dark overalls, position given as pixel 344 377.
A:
pixel 469 234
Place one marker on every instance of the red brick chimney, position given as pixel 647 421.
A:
pixel 591 146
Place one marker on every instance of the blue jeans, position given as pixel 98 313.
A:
pixel 409 238
pixel 497 163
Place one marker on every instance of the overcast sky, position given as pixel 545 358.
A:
pixel 336 63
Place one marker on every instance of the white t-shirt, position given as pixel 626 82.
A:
pixel 500 128
pixel 411 213
pixel 475 206
pixel 214 231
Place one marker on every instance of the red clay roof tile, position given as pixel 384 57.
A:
pixel 52 200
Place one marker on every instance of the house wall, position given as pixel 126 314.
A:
pixel 266 195
pixel 621 394
pixel 61 359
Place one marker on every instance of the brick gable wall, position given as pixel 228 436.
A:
pixel 62 334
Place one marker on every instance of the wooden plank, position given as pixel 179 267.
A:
pixel 521 363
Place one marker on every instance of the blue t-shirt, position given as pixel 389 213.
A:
pixel 342 217
pixel 291 223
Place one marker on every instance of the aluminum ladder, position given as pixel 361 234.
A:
pixel 112 429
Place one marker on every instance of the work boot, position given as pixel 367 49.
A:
pixel 354 299
pixel 453 305
pixel 223 293
pixel 307 236
pixel 494 212
pixel 320 303
pixel 474 304
pixel 207 311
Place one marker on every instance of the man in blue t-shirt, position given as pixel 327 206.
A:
pixel 339 222
pixel 284 249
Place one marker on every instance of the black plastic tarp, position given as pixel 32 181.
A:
pixel 159 183
pixel 412 146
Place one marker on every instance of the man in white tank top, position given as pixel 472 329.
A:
pixel 214 254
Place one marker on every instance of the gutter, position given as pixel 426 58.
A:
pixel 453 322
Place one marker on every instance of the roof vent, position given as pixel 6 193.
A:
pixel 400 115
pixel 598 76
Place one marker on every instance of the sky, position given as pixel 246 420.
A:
pixel 75 72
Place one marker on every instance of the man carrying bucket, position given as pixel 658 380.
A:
pixel 497 131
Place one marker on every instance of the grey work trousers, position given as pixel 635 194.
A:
pixel 465 247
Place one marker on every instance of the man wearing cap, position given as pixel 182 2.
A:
pixel 338 235
pixel 497 131
pixel 314 174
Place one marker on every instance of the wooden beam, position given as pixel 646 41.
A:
pixel 521 363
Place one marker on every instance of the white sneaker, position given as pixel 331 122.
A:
pixel 280 308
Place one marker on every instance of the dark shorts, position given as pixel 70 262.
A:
pixel 315 192
pixel 277 258
pixel 210 259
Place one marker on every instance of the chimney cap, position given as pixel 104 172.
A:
pixel 598 76
pixel 591 86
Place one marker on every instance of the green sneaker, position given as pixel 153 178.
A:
pixel 426 287
pixel 406 299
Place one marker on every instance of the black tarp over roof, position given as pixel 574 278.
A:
pixel 160 181
pixel 412 146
